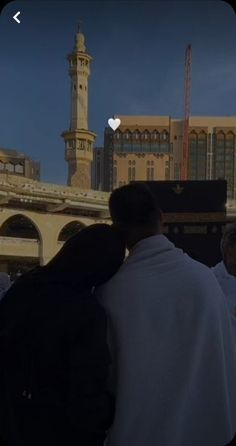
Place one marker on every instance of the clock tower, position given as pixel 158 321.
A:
pixel 78 139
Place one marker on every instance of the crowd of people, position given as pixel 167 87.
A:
pixel 102 349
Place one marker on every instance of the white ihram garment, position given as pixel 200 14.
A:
pixel 173 351
pixel 228 285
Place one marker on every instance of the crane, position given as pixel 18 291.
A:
pixel 187 106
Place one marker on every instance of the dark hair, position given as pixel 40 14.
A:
pixel 90 257
pixel 134 205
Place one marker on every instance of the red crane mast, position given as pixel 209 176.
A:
pixel 187 107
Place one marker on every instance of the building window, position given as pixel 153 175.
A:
pixel 129 173
pixel 10 167
pixel 80 86
pixel 145 135
pixel 133 173
pixel 19 168
pixel 220 139
pixel 155 135
pixel 202 139
pixel 150 173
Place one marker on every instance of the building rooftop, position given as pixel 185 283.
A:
pixel 13 153
pixel 16 190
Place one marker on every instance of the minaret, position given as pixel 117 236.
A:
pixel 79 140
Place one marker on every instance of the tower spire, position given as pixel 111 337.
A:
pixel 79 140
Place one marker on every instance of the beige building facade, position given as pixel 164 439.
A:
pixel 150 148
pixel 139 149
pixel 36 218
pixel 13 162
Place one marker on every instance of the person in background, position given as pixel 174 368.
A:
pixel 53 348
pixel 171 338
pixel 225 271
pixel 5 283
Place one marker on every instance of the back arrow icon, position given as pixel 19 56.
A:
pixel 15 17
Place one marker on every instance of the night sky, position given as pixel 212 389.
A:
pixel 138 68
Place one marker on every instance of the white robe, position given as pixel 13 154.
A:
pixel 173 350
pixel 228 285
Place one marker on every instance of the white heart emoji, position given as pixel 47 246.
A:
pixel 114 123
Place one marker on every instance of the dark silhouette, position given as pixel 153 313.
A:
pixel 54 355
pixel 135 212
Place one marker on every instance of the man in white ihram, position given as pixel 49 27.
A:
pixel 225 271
pixel 174 361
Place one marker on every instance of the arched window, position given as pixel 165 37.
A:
pixel 202 138
pixel 133 173
pixel 164 146
pixel 192 137
pixel 118 134
pixel 127 134
pixel 19 226
pixel 10 167
pixel 145 136
pixel 155 141
pixel 164 135
pixel 155 135
pixel 137 134
pixel 69 230
pixel 19 168
pixel 229 142
pixel 220 140
pixel 129 173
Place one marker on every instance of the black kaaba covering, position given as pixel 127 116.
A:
pixel 194 215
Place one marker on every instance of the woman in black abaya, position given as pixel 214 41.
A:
pixel 54 355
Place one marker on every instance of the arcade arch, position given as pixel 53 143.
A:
pixel 69 230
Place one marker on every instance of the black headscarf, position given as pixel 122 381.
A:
pixel 89 258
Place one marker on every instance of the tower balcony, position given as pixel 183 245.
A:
pixel 72 154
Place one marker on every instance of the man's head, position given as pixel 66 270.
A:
pixel 134 210
pixel 228 248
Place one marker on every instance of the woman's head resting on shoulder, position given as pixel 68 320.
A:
pixel 91 257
